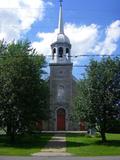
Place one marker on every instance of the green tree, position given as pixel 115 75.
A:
pixel 95 102
pixel 24 95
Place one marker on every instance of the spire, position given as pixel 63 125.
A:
pixel 60 25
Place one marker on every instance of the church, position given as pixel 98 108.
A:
pixel 63 85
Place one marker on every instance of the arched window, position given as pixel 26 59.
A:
pixel 67 53
pixel 61 52
pixel 67 50
pixel 54 50
pixel 60 93
pixel 53 54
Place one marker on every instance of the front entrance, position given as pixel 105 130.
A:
pixel 61 119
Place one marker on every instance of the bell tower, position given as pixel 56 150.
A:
pixel 61 48
pixel 60 80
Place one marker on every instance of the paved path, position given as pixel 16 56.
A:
pixel 55 147
pixel 59 158
pixel 56 150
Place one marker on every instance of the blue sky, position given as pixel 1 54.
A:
pixel 79 12
pixel 93 26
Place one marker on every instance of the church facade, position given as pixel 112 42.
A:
pixel 63 86
pixel 61 82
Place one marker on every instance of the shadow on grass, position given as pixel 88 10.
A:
pixel 76 144
pixel 90 141
pixel 115 143
pixel 26 141
pixel 75 134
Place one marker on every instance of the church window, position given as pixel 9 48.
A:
pixel 61 52
pixel 54 50
pixel 60 93
pixel 67 53
pixel 67 50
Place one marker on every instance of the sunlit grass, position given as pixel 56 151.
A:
pixel 92 146
pixel 24 145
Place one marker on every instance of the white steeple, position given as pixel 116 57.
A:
pixel 61 36
pixel 61 48
pixel 61 25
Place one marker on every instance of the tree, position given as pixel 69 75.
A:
pixel 114 88
pixel 24 95
pixel 94 103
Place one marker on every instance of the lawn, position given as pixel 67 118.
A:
pixel 24 145
pixel 83 145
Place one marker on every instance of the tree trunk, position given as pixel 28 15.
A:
pixel 103 136
pixel 12 138
pixel 12 135
pixel 8 129
pixel 11 132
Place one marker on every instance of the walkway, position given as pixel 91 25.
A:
pixel 55 147
pixel 56 150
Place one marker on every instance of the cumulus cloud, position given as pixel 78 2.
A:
pixel 85 39
pixel 46 39
pixel 109 45
pixel 17 16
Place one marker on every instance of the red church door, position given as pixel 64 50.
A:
pixel 61 119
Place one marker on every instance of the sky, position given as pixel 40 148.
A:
pixel 93 26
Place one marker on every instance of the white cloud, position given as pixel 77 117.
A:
pixel 109 45
pixel 50 4
pixel 17 16
pixel 2 35
pixel 82 38
pixel 43 46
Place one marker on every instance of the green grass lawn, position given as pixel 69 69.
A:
pixel 82 145
pixel 24 145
